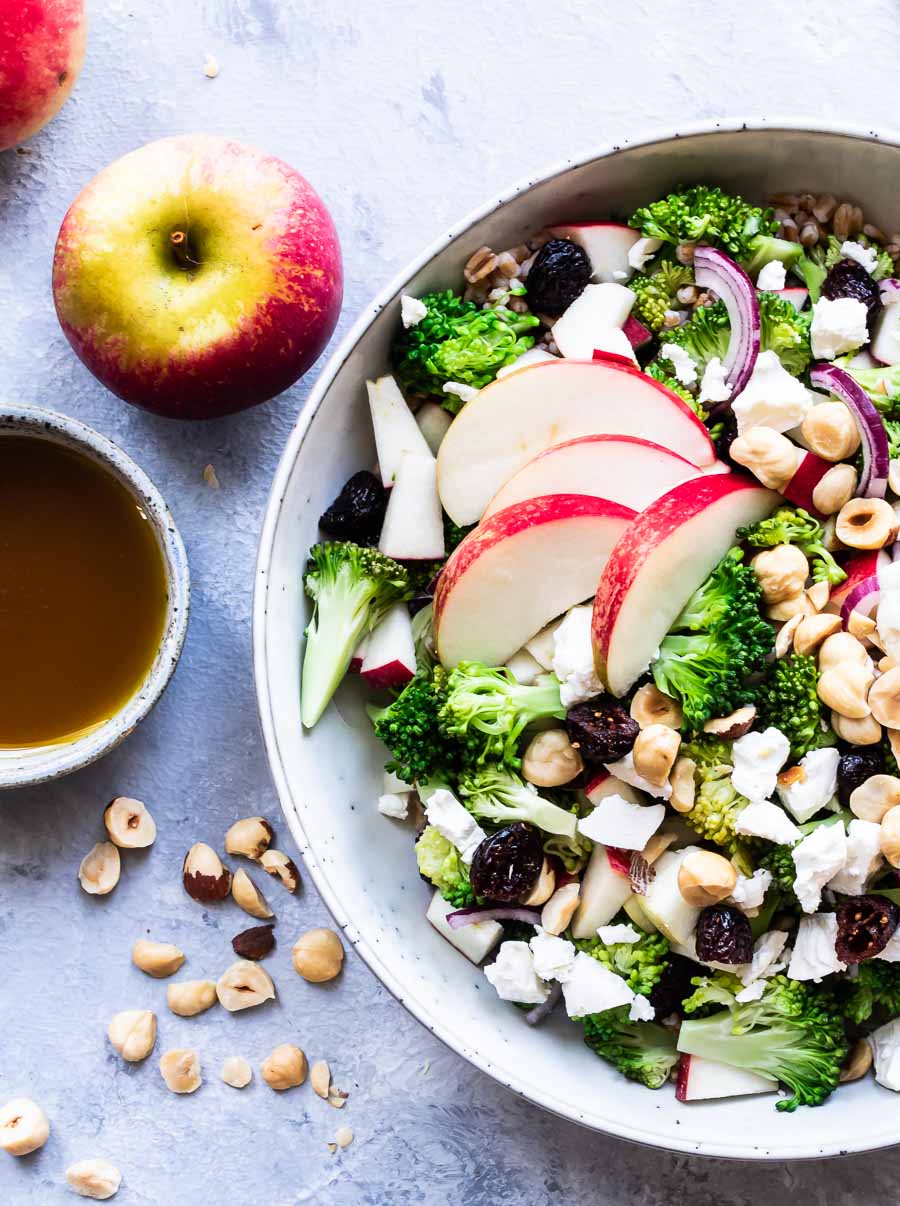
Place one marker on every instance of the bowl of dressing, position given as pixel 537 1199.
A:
pixel 94 595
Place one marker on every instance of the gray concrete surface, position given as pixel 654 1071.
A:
pixel 404 116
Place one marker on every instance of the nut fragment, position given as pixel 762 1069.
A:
pixel 889 838
pixel 784 639
pixel 831 431
pixel 842 648
pixel 550 759
pixel 133 1034
pixel 129 824
pixel 797 605
pixel 190 997
pixel 283 868
pixel 249 837
pixel 819 594
pixel 858 1062
pixel 814 630
pixel 560 908
pixel 248 896
pixel 100 869
pixel 23 1126
pixel 544 888
pixel 834 489
pixel 254 943
pixel 318 955
pixel 865 731
pixel 874 798
pixel 236 1072
pixel 657 845
pixel 844 690
pixel 157 959
pixel 652 706
pixel 343 1136
pixel 320 1078
pixel 97 1179
pixel 180 1070
pixel 733 726
pixel 866 523
pixel 244 985
pixel 655 751
pixel 884 699
pixel 861 627
pixel 705 878
pixel 284 1068
pixel 684 787
pixel 205 878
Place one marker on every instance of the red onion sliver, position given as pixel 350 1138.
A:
pixel 863 598
pixel 475 913
pixel 876 461
pixel 717 271
pixel 535 1016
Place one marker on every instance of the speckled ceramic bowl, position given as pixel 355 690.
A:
pixel 36 764
pixel 329 779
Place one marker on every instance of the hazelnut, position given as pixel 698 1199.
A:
pixel 129 824
pixel 834 488
pixel 845 690
pixel 830 431
pixel 23 1126
pixel 886 663
pixel 788 609
pixel 283 868
pixel 884 699
pixel 320 1078
pixel 343 1136
pixel 731 727
pixel 890 836
pixel 812 631
pixel 190 997
pixel 705 878
pixel 866 523
pixel 781 573
pixel 249 837
pixel 893 737
pixel 841 648
pixel 875 797
pixel 254 943
pixel 770 456
pixel 819 594
pixel 865 731
pixel 784 638
pixel 236 1072
pixel 543 889
pixel 97 1179
pixel 860 626
pixel 655 750
pixel 180 1070
pixel 133 1034
pixel 318 955
pixel 285 1068
pixel 560 908
pixel 652 706
pixel 244 985
pixel 657 845
pixel 859 1061
pixel 684 787
pixel 100 869
pixel 204 877
pixel 157 959
pixel 550 759
pixel 248 896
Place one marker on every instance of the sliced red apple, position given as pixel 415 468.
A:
pixel 858 567
pixel 603 893
pixel 518 570
pixel 798 297
pixel 702 1079
pixel 523 414
pixel 627 470
pixel 394 425
pixel 602 784
pixel 389 660
pixel 607 245
pixel 661 559
pixel 809 472
pixel 638 335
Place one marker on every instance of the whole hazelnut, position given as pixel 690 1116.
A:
pixel 190 997
pixel 133 1034
pixel 705 878
pixel 890 836
pixel 560 908
pixel 278 864
pixel 244 985
pixel 100 869
pixel 157 959
pixel 318 955
pixel 248 896
pixel 205 878
pixel 23 1126
pixel 180 1070
pixel 550 759
pixel 652 706
pixel 254 943
pixel 249 837
pixel 875 797
pixel 97 1179
pixel 236 1072
pixel 285 1068
pixel 129 824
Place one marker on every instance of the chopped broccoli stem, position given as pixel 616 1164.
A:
pixel 641 1051
pixel 439 862
pixel 494 794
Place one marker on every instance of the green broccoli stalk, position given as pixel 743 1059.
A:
pixel 794 1034
pixel 793 525
pixel 409 728
pixel 702 214
pixel 352 588
pixel 641 1051
pixel 494 794
pixel 881 384
pixel 874 990
pixel 766 248
pixel 787 699
pixel 439 862
pixel 657 291
pixel 640 964
pixel 717 805
pixel 573 852
pixel 458 341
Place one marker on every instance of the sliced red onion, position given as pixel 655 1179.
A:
pixel 535 1016
pixel 717 271
pixel 475 913
pixel 637 334
pixel 876 461
pixel 863 598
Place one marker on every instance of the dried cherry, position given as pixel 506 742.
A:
pixel 601 729
pixel 724 935
pixel 358 511
pixel 674 985
pixel 854 768
pixel 507 864
pixel 559 274
pixel 866 925
pixel 849 279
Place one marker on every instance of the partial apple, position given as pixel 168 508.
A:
pixel 196 276
pixel 607 245
pixel 661 559
pixel 41 52
pixel 547 404
pixel 518 570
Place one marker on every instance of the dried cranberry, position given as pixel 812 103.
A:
pixel 724 935
pixel 559 274
pixel 849 279
pixel 854 768
pixel 508 863
pixel 728 433
pixel 601 729
pixel 358 511
pixel 674 985
pixel 865 927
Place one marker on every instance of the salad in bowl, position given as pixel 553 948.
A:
pixel 621 593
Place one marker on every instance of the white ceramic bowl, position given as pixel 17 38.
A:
pixel 36 764
pixel 329 779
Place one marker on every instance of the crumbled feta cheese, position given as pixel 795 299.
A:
pixel 838 326
pixel 394 785
pixel 752 992
pixel 766 820
pixel 573 658
pixel 412 311
pixel 683 363
pixel 820 855
pixel 390 805
pixel 624 770
pixel 758 757
pixel 766 952
pixel 865 256
pixel 465 393
pixel 714 387
pixel 642 251
pixel 591 988
pixel 863 858
pixel 617 822
pixel 532 356
pixel 750 891
pixel 804 797
pixel 618 933
pixel 771 276
pixel 641 1010
pixel 553 957
pixel 814 955
pixel 771 398
pixel 513 975
pixel 885 1044
pixel 454 822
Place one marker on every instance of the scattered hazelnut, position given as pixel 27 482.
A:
pixel 731 727
pixel 652 706
pixel 560 908
pixel 705 878
pixel 205 879
pixel 840 648
pixel 133 1034
pixel 544 888
pixel 866 523
pixel 248 896
pixel 770 456
pixel 236 1072
pixel 157 959
pixel 655 750
pixel 180 1070
pixel 100 869
pixel 550 759
pixel 244 985
pixel 129 824
pixel 781 573
pixel 23 1126
pixel 875 797
pixel 865 731
pixel 190 997
pixel 343 1136
pixel 784 638
pixel 819 594
pixel 320 1078
pixel 657 845
pixel 249 837
pixel 97 1179
pixel 835 488
pixel 684 787
pixel 887 663
pixel 859 625
pixel 254 943
pixel 788 609
pixel 830 431
pixel 893 736
pixel 845 690
pixel 857 1063
pixel 814 630
pixel 890 836
pixel 318 955
pixel 283 868
pixel 285 1068
pixel 884 699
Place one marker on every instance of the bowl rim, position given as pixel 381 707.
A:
pixel 546 1100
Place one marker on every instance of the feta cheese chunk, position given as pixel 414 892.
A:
pixel 465 393
pixel 390 805
pixel 641 1010
pixel 750 891
pixel 454 822
pixel 885 1044
pixel 573 658
pixel 553 957
pixel 412 311
pixel 617 822
pixel 838 326
pixel 814 955
pixel 618 933
pixel 512 974
pixel 818 857
pixel 863 858
pixel 642 251
pixel 771 277
pixel 766 952
pixel 683 363
pixel 772 397
pixel 714 387
pixel 766 820
pixel 624 770
pixel 758 757
pixel 866 257
pixel 810 794
pixel 591 988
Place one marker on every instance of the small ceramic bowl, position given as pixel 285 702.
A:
pixel 37 764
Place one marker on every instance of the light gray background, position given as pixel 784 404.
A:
pixel 404 116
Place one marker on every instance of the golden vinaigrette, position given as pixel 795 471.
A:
pixel 83 596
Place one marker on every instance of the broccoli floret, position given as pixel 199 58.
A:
pixel 788 699
pixel 704 336
pixel 458 341
pixel 641 1051
pixel 352 588
pixel 656 292
pixel 793 525
pixel 495 794
pixel 779 860
pixel 440 863
pixel 881 384
pixel 573 852
pixel 717 804
pixel 717 642
pixel 409 728
pixel 766 248
pixel 875 989
pixel 702 214
pixel 640 964
pixel 658 371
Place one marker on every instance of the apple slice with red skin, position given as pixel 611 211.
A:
pixel 701 1079
pixel 518 570
pixel 604 890
pixel 389 657
pixel 520 415
pixel 858 567
pixel 798 296
pixel 809 472
pixel 607 245
pixel 661 559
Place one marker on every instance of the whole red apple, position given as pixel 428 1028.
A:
pixel 41 52
pixel 196 276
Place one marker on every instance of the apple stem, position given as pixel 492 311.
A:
pixel 181 249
